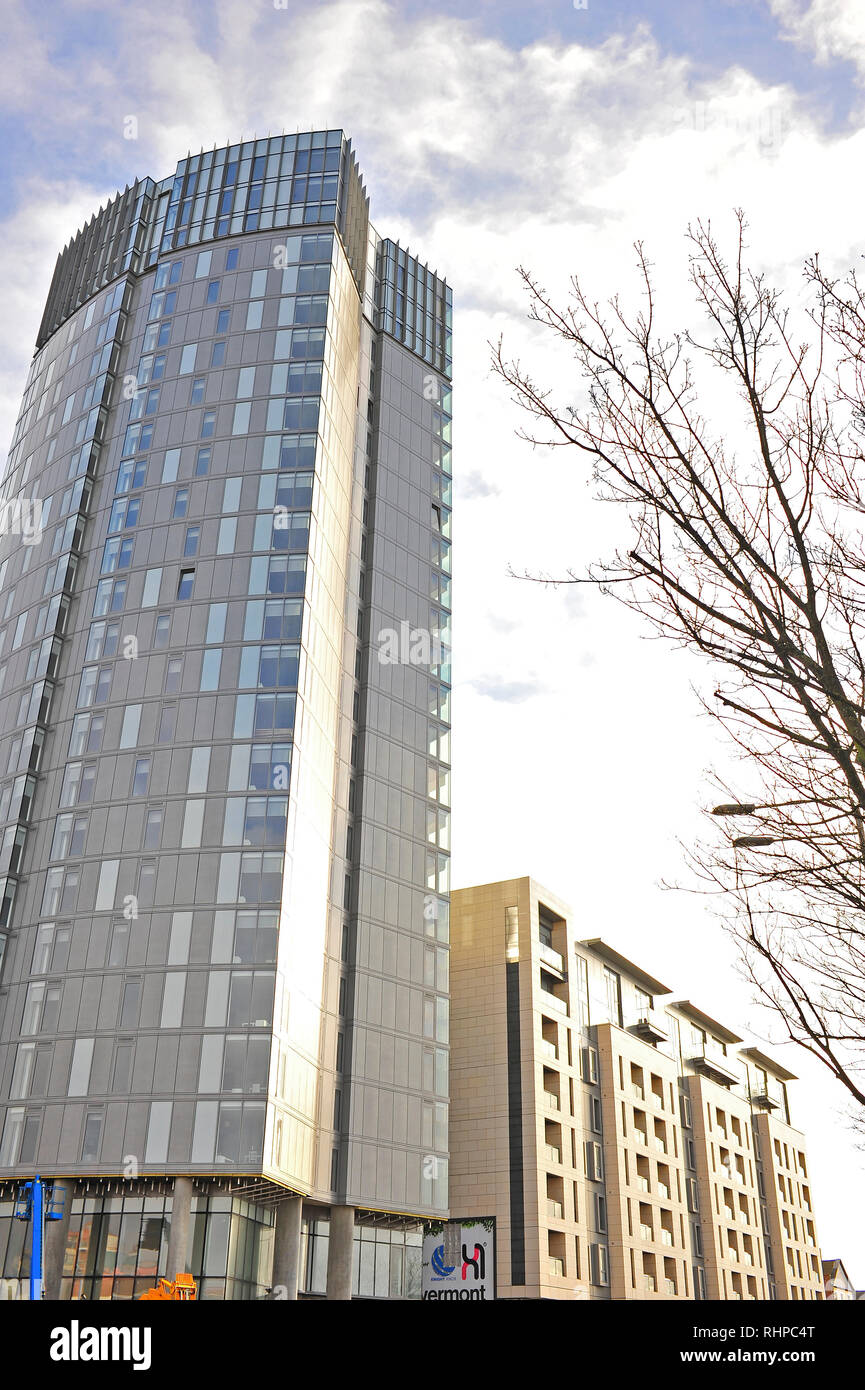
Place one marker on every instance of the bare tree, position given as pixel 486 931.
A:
pixel 753 557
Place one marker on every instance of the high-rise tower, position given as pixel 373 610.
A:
pixel 224 704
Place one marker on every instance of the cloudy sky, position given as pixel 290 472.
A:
pixel 494 134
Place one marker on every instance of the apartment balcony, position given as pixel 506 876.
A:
pixel 764 1101
pixel 555 1210
pixel 552 1154
pixel 552 1001
pixel 715 1068
pixel 551 1102
pixel 647 1029
pixel 548 1049
pixel 552 960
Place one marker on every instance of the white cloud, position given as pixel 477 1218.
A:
pixel 831 29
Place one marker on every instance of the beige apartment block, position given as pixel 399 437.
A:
pixel 650 1252
pixel 627 1144
pixel 517 1124
pixel 730 1226
pixel 795 1254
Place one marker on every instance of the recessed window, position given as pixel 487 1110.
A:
pixel 185 583
pixel 167 724
pixel 217 354
pixel 156 335
pixel 168 273
pixel 124 513
pixel 161 630
pixel 196 396
pixel 212 293
pixel 117 554
pixel 190 545
pixel 181 502
pixel 141 777
pixel 153 827
pixel 92 1137
pixel 223 318
pixel 131 475
pixel 208 424
pixel 202 462
pixel 173 673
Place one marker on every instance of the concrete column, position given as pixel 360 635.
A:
pixel 286 1248
pixel 178 1236
pixel 340 1252
pixel 55 1244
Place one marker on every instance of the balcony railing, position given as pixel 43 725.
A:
pixel 554 1209
pixel 551 1101
pixel 552 958
pixel 666 1236
pixel 552 1001
pixel 646 1028
pixel 649 1283
pixel 642 1183
pixel 646 1232
pixel 548 1049
pixel 717 1065
pixel 552 1154
pixel 663 1190
pixel 557 1269
pixel 671 1286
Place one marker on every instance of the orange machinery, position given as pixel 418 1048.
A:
pixel 181 1289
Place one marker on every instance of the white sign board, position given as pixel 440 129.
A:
pixel 459 1260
